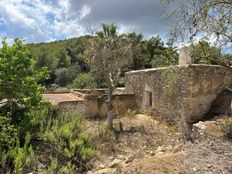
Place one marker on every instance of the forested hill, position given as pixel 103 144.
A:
pixel 67 65
pixel 66 59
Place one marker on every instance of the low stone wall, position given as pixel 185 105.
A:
pixel 71 106
pixel 90 105
pixel 96 106
pixel 121 103
pixel 98 92
pixel 92 91
pixel 170 92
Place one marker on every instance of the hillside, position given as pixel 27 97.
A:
pixel 67 62
pixel 61 57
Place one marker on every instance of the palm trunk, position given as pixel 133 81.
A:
pixel 110 109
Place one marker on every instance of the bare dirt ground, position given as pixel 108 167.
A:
pixel 147 146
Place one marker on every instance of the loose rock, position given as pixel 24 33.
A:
pixel 114 163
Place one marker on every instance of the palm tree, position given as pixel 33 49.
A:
pixel 109 54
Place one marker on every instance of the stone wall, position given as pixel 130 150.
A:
pixel 170 92
pixel 96 106
pixel 71 106
pixel 121 103
pixel 95 101
pixel 101 91
pixel 204 84
pixel 150 83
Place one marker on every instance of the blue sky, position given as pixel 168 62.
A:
pixel 49 20
pixel 38 20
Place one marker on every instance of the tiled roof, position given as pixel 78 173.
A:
pixel 60 97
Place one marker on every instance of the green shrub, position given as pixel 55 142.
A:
pixel 72 147
pixel 227 129
pixel 18 159
pixel 53 164
pixel 130 113
pixel 8 134
pixel 63 77
pixel 67 169
pixel 84 80
pixel 25 158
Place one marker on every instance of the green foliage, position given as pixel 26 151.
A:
pixel 61 54
pixel 67 59
pixel 25 117
pixel 53 165
pixel 227 129
pixel 197 19
pixel 18 159
pixel 71 147
pixel 130 113
pixel 24 157
pixel 137 43
pixel 19 80
pixel 20 92
pixel 8 134
pixel 84 80
pixel 63 59
pixel 8 141
pixel 67 169
pixel 63 77
pixel 108 30
pixel 203 53
pixel 157 55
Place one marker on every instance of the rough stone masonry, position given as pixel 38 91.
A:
pixel 174 92
pixel 186 89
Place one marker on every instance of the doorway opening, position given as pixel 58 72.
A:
pixel 148 99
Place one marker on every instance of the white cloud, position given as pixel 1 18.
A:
pixel 46 20
pixel 13 14
pixel 39 20
pixel 84 11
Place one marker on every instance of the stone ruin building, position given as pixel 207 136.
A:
pixel 189 90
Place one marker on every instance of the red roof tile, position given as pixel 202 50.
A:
pixel 60 97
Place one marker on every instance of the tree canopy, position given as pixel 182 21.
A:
pixel 19 81
pixel 209 19
pixel 66 60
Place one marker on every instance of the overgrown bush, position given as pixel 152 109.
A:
pixel 84 80
pixel 71 148
pixel 8 134
pixel 63 77
pixel 227 129
pixel 15 158
pixel 26 121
